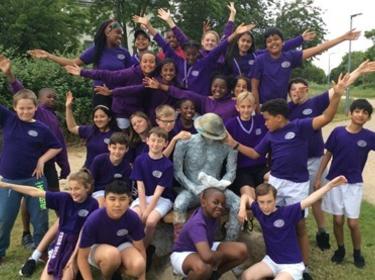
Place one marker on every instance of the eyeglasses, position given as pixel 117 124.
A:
pixel 167 121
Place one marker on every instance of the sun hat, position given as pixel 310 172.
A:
pixel 211 126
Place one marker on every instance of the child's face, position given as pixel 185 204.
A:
pixel 191 55
pixel 244 43
pixel 156 144
pixel 116 205
pixel 267 203
pixel 218 88
pixel 214 204
pixel 147 63
pixel 187 110
pixel 117 151
pixel 25 109
pixel 245 108
pixel 241 86
pixel 298 93
pixel 101 119
pixel 274 44
pixel 166 122
pixel 48 99
pixel 359 116
pixel 139 124
pixel 171 39
pixel 114 34
pixel 209 41
pixel 168 72
pixel 272 122
pixel 77 191
pixel 142 42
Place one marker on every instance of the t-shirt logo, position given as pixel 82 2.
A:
pixel 122 232
pixel 362 143
pixel 120 56
pixel 279 223
pixel 290 135
pixel 251 61
pixel 106 140
pixel 117 175
pixel 285 64
pixel 195 73
pixel 307 111
pixel 83 213
pixel 33 133
pixel 258 131
pixel 157 173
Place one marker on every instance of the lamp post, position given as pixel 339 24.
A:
pixel 349 61
pixel 329 68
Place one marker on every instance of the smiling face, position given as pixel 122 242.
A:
pixel 213 204
pixel 47 98
pixel 156 144
pixel 274 44
pixel 141 42
pixel 77 191
pixel 139 124
pixel 209 41
pixel 114 34
pixel 187 110
pixel 25 109
pixel 219 88
pixel 116 205
pixel 171 39
pixel 298 93
pixel 359 116
pixel 117 152
pixel 168 72
pixel 267 203
pixel 244 43
pixel 101 119
pixel 147 63
pixel 245 108
pixel 241 86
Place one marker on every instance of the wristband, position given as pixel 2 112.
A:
pixel 235 147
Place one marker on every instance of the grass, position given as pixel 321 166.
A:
pixel 321 266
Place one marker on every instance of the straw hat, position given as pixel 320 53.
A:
pixel 211 126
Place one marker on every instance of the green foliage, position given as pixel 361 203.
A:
pixel 370 34
pixel 310 72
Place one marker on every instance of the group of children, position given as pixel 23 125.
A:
pixel 142 108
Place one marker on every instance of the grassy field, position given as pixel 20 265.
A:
pixel 321 266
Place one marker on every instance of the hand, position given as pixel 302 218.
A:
pixel 341 85
pixel 242 28
pixel 242 216
pixel 308 35
pixel 151 83
pixel 229 140
pixel 183 135
pixel 141 20
pixel 38 53
pixel 317 184
pixel 145 216
pixel 232 10
pixel 351 35
pixel 5 65
pixel 103 90
pixel 206 26
pixel 164 14
pixel 69 99
pixel 39 169
pixel 339 180
pixel 74 70
pixel 366 67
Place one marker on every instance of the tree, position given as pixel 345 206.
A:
pixel 47 24
pixel 310 72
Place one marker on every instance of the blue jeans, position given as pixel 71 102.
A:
pixel 9 206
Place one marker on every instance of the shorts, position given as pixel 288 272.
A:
pixel 123 123
pixel 162 206
pixel 313 165
pixel 344 200
pixel 248 176
pixel 294 269
pixel 98 194
pixel 178 258
pixel 91 258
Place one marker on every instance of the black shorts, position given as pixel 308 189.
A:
pixel 248 176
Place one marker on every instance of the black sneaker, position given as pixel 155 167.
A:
pixel 27 241
pixel 359 261
pixel 150 252
pixel 306 276
pixel 338 256
pixel 322 240
pixel 28 268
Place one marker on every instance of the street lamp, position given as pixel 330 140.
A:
pixel 329 68
pixel 349 61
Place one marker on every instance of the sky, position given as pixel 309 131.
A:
pixel 337 19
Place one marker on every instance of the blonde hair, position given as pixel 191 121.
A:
pixel 84 177
pixel 24 94
pixel 245 95
pixel 213 32
pixel 164 111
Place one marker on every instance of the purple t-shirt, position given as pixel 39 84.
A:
pixel 349 153
pixel 288 147
pixel 153 173
pixel 99 228
pixel 279 232
pixel 111 59
pixel 23 144
pixel 72 215
pixel 248 133
pixel 273 74
pixel 179 127
pixel 198 228
pixel 96 141
pixel 311 108
pixel 104 172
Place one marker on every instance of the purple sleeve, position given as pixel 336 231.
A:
pixel 88 55
pixel 88 233
pixel 293 43
pixel 84 131
pixel 4 114
pixel 228 29
pixel 294 212
pixel 50 140
pixel 198 233
pixel 372 137
pixel 16 86
pixel 63 162
pixel 95 167
pixel 166 179
pixel 258 68
pixel 113 78
pixel 137 229
pixel 331 141
pixel 264 146
pixel 123 91
pixel 180 35
pixel 321 101
pixel 136 173
pixel 214 55
pixel 168 51
pixel 54 200
pixel 255 209
pixel 306 128
pixel 296 58
pixel 187 94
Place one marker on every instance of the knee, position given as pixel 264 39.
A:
pixel 151 224
pixel 353 224
pixel 111 258
pixel 202 269
pixel 338 221
pixel 136 267
pixel 243 253
pixel 247 275
pixel 180 203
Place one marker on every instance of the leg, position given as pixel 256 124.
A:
pixel 27 239
pixel 257 271
pixel 151 223
pixel 108 259
pixel 235 253
pixel 134 263
pixel 195 268
pixel 48 237
pixel 338 228
pixel 303 240
pixel 137 210
pixel 355 232
pixel 283 275
pixel 45 275
pixel 233 203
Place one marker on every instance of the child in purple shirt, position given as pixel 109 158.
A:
pixel 73 208
pixel 185 118
pixel 141 44
pixel 273 68
pixel 112 237
pixel 195 254
pixel 348 147
pixel 283 258
pixel 140 125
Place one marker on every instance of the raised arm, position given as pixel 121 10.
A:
pixel 214 258
pixel 63 61
pixel 48 155
pixel 6 68
pixel 70 120
pixel 166 16
pixel 28 190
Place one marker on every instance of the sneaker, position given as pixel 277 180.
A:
pixel 28 268
pixel 150 252
pixel 338 256
pixel 322 240
pixel 306 276
pixel 27 241
pixel 359 261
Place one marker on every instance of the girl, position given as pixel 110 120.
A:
pixel 73 208
pixel 106 54
pixel 140 124
pixel 131 81
pixel 185 120
pixel 97 135
pixel 241 84
pixel 141 44
pixel 27 146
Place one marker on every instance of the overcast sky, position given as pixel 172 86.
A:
pixel 337 18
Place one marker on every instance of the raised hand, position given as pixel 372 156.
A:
pixel 366 67
pixel 5 65
pixel 74 70
pixel 69 99
pixel 103 90
pixel 151 83
pixel 206 26
pixel 38 53
pixel 232 10
pixel 242 28
pixel 183 135
pixel 164 14
pixel 341 85
pixel 351 35
pixel 308 35
pixel 141 20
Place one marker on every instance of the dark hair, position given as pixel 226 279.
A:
pixel 134 138
pixel 84 177
pixel 100 41
pixel 166 61
pixel 140 31
pixel 112 123
pixel 233 82
pixel 118 187
pixel 272 31
pixel 45 91
pixel 264 189
pixel 119 138
pixel 276 107
pixel 220 77
pixel 297 80
pixel 361 104
pixel 159 132
pixel 207 192
pixel 191 44
pixel 182 101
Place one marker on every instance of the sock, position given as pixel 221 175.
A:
pixel 356 252
pixel 321 230
pixel 307 270
pixel 25 233
pixel 36 255
pixel 341 248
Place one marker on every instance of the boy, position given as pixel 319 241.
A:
pixel 283 258
pixel 195 254
pixel 111 166
pixel 288 142
pixel 348 147
pixel 153 173
pixel 273 68
pixel 112 237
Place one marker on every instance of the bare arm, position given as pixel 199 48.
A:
pixel 247 151
pixel 323 165
pixel 83 264
pixel 139 245
pixel 214 258
pixel 182 135
pixel 70 120
pixel 154 200
pixel 245 201
pixel 255 91
pixel 28 190
pixel 63 61
pixel 142 197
